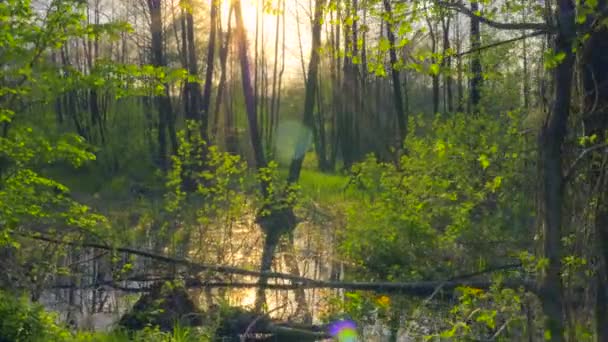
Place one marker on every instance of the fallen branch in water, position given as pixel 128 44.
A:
pixel 419 288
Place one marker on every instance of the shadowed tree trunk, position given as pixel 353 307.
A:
pixel 223 75
pixel 476 70
pixel 193 88
pixel 397 92
pixel 274 95
pixel 209 70
pixel 432 23
pixel 303 141
pixel 162 100
pixel 551 140
pixel 594 75
pixel 447 64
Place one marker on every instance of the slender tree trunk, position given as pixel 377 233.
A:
pixel 348 92
pixel 273 96
pixel 460 88
pixel 398 100
pixel 551 140
pixel 526 76
pixel 248 92
pixel 356 84
pixel 184 59
pixel 194 87
pixel 434 76
pixel 334 36
pixel 303 141
pixel 447 64
pixel 223 75
pixel 281 73
pixel 213 17
pixel 320 140
pixel 476 69
pixel 162 101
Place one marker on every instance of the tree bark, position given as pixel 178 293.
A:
pixel 209 70
pixel 447 64
pixel 476 69
pixel 397 92
pixel 434 76
pixel 162 101
pixel 303 141
pixel 594 76
pixel 193 87
pixel 551 140
pixel 223 75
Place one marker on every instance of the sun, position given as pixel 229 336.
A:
pixel 297 32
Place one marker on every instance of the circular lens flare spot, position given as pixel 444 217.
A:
pixel 343 331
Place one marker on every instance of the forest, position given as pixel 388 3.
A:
pixel 303 170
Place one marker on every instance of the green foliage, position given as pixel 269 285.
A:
pixel 27 196
pixel 22 321
pixel 553 59
pixel 279 195
pixel 218 177
pixel 205 187
pixel 458 187
pixel 484 315
pixel 362 307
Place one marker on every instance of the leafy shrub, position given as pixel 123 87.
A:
pixel 458 186
pixel 21 320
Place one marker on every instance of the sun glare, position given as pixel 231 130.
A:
pixel 296 15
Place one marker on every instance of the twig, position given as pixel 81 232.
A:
pixel 580 157
pixel 244 336
pixel 503 327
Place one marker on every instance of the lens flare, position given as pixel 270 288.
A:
pixel 343 331
pixel 289 133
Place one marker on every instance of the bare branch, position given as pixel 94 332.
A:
pixel 499 43
pixel 580 157
pixel 422 288
pixel 462 8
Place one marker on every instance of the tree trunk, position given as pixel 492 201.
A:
pixel 551 140
pixel 594 75
pixel 209 71
pixel 223 74
pixel 447 64
pixel 248 92
pixel 303 141
pixel 435 75
pixel 274 94
pixel 193 87
pixel 460 87
pixel 162 101
pixel 397 92
pixel 476 69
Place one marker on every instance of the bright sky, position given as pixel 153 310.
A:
pixel 293 69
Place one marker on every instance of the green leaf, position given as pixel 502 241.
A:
pixel 384 45
pixel 552 59
pixel 434 69
pixel 484 161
